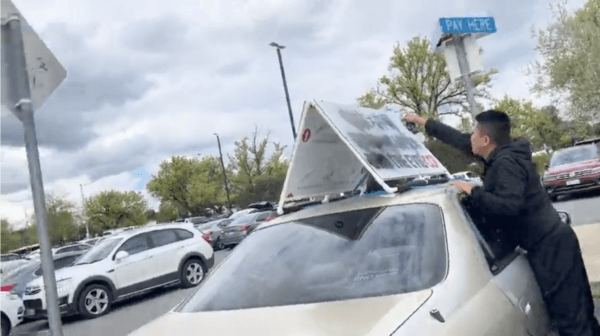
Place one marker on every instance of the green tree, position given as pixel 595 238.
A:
pixel 190 185
pixel 257 177
pixel 10 239
pixel 115 209
pixel 167 212
pixel 60 219
pixel 541 126
pixel 570 49
pixel 418 81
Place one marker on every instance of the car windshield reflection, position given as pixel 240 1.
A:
pixel 356 254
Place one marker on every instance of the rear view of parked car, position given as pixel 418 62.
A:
pixel 20 277
pixel 212 231
pixel 242 226
pixel 573 169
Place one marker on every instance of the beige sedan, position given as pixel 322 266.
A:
pixel 408 264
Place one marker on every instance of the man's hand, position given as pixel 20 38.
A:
pixel 465 187
pixel 415 118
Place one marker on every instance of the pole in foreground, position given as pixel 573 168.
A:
pixel 287 95
pixel 224 175
pixel 24 111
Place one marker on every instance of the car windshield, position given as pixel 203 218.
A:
pixel 98 252
pixel 574 155
pixel 350 255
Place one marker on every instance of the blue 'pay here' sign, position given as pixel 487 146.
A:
pixel 468 25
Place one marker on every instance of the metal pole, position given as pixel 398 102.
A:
pixel 224 175
pixel 87 229
pixel 287 95
pixel 24 111
pixel 463 64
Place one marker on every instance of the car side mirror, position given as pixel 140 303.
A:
pixel 121 255
pixel 564 217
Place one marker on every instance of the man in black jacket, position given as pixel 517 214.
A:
pixel 513 198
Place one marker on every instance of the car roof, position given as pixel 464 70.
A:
pixel 133 232
pixel 421 194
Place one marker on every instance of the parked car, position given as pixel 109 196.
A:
pixel 211 232
pixel 20 277
pixel 123 265
pixel 573 169
pixel 242 213
pixel 91 241
pixel 197 220
pixel 240 227
pixel 415 263
pixel 71 248
pixel 11 261
pixel 11 310
pixel 466 176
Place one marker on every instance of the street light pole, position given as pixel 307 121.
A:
pixel 87 229
pixel 224 175
pixel 287 95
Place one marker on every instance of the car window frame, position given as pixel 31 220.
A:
pixel 495 265
pixel 148 240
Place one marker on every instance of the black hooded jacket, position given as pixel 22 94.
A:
pixel 512 196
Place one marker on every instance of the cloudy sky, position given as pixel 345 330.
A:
pixel 147 80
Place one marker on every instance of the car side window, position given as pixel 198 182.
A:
pixel 262 217
pixel 183 234
pixel 499 247
pixel 163 237
pixel 136 244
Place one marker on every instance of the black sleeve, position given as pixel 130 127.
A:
pixel 449 135
pixel 508 184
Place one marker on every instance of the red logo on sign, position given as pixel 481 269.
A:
pixel 430 160
pixel 306 135
pixel 290 195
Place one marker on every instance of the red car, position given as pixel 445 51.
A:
pixel 573 169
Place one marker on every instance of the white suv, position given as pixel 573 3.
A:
pixel 123 265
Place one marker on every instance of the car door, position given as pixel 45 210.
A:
pixel 513 276
pixel 134 272
pixel 165 263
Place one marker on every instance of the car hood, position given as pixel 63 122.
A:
pixel 591 164
pixel 370 316
pixel 63 274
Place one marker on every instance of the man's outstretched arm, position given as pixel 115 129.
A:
pixel 445 133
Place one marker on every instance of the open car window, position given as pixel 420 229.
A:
pixel 356 254
pixel 498 246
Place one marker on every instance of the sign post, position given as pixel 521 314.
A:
pixel 457 31
pixel 21 98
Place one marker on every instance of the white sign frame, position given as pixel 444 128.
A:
pixel 338 145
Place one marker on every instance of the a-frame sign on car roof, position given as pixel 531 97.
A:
pixel 340 145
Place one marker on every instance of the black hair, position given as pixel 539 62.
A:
pixel 496 125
